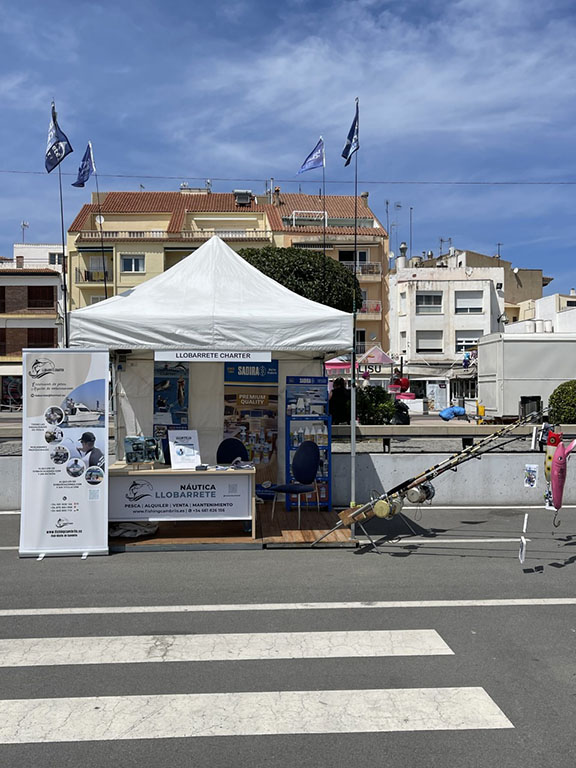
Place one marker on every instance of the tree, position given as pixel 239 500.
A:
pixel 307 273
pixel 374 405
pixel 562 404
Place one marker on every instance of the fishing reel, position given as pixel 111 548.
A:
pixel 421 493
pixel 387 508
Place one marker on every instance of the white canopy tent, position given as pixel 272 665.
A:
pixel 214 300
pixel 211 300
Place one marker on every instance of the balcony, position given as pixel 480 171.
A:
pixel 365 346
pixel 162 234
pixel 371 310
pixel 91 276
pixel 366 271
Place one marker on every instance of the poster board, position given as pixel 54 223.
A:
pixel 184 449
pixel 251 415
pixel 171 393
pixel 64 452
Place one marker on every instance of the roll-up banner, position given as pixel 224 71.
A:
pixel 64 452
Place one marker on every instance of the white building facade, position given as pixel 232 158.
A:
pixel 437 316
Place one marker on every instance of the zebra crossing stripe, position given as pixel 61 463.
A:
pixel 27 652
pixel 98 718
pixel 511 602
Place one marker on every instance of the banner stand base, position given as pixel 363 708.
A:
pixel 83 554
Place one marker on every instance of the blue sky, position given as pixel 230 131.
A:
pixel 238 92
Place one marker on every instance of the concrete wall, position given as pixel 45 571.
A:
pixel 496 479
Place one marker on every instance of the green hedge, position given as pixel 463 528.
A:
pixel 562 404
pixel 374 405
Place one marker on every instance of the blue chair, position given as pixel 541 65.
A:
pixel 304 469
pixel 229 449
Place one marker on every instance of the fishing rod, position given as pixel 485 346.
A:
pixel 419 489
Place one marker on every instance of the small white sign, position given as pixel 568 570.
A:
pixel 184 449
pixel 211 356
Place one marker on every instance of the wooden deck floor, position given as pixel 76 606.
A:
pixel 282 532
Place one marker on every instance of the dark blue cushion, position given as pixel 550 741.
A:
pixel 293 488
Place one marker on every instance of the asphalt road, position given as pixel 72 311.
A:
pixel 519 657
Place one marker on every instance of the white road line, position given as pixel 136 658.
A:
pixel 98 718
pixel 5 549
pixel 381 604
pixel 8 512
pixel 135 649
pixel 431 540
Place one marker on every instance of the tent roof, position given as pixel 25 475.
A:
pixel 213 299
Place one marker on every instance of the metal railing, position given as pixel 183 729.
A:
pixel 371 306
pixel 366 268
pixel 91 275
pixel 13 264
pixel 162 234
pixel 364 346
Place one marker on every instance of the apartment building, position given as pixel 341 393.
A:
pixel 128 237
pixel 30 316
pixel 36 255
pixel 439 310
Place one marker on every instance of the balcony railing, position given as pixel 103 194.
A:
pixel 365 346
pixel 371 306
pixel 162 234
pixel 91 276
pixel 366 268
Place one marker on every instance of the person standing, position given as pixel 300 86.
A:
pixel 339 403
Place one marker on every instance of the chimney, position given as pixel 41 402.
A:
pixel 572 292
pixel 19 261
pixel 364 196
pixel 276 200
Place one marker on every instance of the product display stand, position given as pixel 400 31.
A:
pixel 307 418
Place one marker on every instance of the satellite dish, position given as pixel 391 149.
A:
pixel 515 270
pixel 99 219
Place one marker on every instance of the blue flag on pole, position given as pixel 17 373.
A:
pixel 315 159
pixel 352 142
pixel 87 167
pixel 57 146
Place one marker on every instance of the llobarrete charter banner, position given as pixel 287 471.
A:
pixel 64 452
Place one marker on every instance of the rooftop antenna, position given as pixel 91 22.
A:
pixel 24 226
pixel 445 240
pixel 142 187
pixel 498 246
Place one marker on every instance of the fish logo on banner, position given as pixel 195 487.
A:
pixel 41 368
pixel 139 489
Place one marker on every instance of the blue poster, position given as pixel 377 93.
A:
pixel 171 389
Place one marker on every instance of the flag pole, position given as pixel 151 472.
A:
pixel 65 271
pixel 324 218
pixel 100 224
pixel 354 319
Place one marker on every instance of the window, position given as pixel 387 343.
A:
pixel 55 258
pixel 349 256
pixel 97 262
pixel 468 302
pixel 96 299
pixel 428 303
pixel 41 337
pixel 403 303
pixel 132 263
pixel 402 342
pixel 571 303
pixel 429 341
pixel 2 299
pixel 40 297
pixel 466 340
pixel 466 388
pixel 2 341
